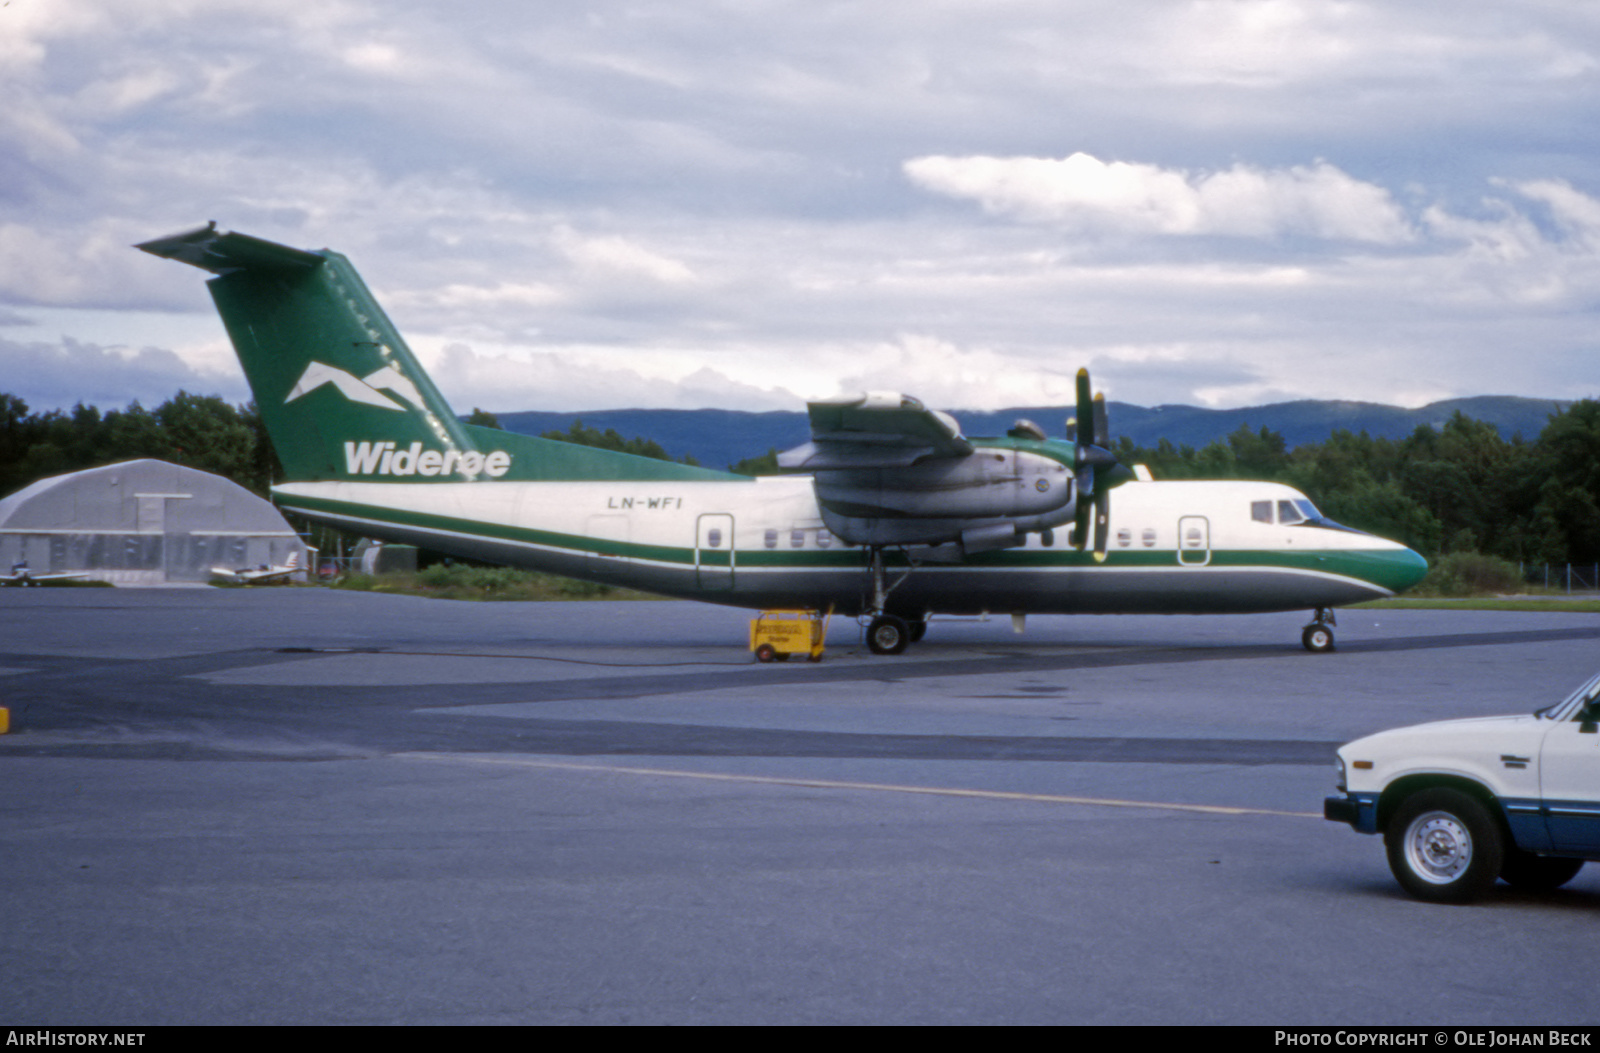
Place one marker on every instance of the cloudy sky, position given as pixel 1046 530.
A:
pixel 593 205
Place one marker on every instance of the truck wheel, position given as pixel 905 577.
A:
pixel 1532 873
pixel 1444 846
pixel 766 653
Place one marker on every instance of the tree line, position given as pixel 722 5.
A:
pixel 1457 488
pixel 199 431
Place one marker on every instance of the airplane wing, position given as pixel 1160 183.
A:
pixel 877 430
pixel 252 576
pixel 262 575
pixel 24 578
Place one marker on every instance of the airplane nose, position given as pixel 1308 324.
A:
pixel 1410 568
pixel 1390 566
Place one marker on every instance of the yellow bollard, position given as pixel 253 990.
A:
pixel 5 720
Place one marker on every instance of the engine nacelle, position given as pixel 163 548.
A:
pixel 990 499
pixel 988 483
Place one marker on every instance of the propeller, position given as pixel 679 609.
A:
pixel 1097 468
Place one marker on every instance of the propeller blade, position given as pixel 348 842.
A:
pixel 1097 468
pixel 1085 416
pixel 1102 524
pixel 1080 522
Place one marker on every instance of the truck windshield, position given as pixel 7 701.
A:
pixel 1568 708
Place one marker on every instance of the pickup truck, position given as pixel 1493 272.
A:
pixel 1461 803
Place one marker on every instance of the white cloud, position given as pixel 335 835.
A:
pixel 1576 213
pixel 1243 201
pixel 706 200
pixel 587 378
pixel 52 375
pixel 612 257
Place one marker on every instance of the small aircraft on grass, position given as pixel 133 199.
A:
pixel 900 516
pixel 265 574
pixel 22 577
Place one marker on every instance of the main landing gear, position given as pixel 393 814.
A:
pixel 888 633
pixel 1318 636
pixel 891 634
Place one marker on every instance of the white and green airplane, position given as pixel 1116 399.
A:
pixel 893 515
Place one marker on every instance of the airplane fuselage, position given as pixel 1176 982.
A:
pixel 1176 547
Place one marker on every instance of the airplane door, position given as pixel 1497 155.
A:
pixel 713 552
pixel 1194 541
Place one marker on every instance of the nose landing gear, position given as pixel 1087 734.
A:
pixel 1318 636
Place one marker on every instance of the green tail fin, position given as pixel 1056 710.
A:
pixel 342 396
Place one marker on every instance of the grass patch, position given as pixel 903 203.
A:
pixel 1464 574
pixel 1471 581
pixel 1483 603
pixel 460 582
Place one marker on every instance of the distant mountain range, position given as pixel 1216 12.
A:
pixel 717 438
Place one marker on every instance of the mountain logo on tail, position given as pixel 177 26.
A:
pixel 367 390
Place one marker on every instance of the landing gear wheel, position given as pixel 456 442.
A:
pixel 888 635
pixel 1317 638
pixel 766 653
pixel 1444 846
pixel 1531 873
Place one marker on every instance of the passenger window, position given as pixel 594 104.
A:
pixel 1148 537
pixel 1288 513
pixel 1261 511
pixel 824 539
pixel 772 539
pixel 797 539
pixel 713 538
pixel 1124 537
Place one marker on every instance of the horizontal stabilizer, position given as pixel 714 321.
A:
pixel 221 252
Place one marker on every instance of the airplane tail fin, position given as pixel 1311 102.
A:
pixel 341 394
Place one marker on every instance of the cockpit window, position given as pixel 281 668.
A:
pixel 1288 513
pixel 1308 509
pixel 1261 511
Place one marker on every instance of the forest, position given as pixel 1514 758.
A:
pixel 1460 488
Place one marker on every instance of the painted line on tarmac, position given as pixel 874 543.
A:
pixel 833 784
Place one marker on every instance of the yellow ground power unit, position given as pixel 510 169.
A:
pixel 775 635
